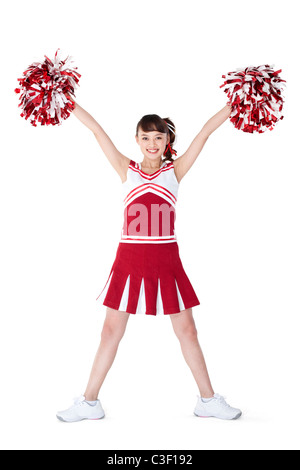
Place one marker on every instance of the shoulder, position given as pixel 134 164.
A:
pixel 133 164
pixel 168 164
pixel 130 165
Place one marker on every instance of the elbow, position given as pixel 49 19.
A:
pixel 205 132
pixel 96 131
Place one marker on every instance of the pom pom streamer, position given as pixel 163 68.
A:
pixel 255 95
pixel 46 89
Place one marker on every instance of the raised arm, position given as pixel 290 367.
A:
pixel 117 159
pixel 184 163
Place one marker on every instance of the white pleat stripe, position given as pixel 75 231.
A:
pixel 159 304
pixel 141 306
pixel 181 304
pixel 102 296
pixel 125 295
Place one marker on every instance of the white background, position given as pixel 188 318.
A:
pixel 237 227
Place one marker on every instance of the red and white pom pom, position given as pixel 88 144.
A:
pixel 45 91
pixel 255 97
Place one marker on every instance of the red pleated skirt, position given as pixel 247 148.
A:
pixel 148 279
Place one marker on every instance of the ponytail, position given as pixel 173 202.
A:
pixel 169 152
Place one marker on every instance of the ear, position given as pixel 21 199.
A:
pixel 137 139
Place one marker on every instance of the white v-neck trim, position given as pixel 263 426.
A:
pixel 150 174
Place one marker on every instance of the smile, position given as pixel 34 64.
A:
pixel 152 151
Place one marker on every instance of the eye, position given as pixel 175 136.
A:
pixel 145 138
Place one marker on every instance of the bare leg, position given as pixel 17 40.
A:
pixel 113 330
pixel 185 330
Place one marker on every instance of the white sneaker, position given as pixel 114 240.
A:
pixel 217 408
pixel 81 410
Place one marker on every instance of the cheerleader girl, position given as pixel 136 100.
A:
pixel 147 276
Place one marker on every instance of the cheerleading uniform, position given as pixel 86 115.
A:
pixel 147 276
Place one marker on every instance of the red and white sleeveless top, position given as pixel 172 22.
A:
pixel 149 205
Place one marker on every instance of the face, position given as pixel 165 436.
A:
pixel 152 144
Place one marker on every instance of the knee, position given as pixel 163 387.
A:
pixel 187 333
pixel 111 332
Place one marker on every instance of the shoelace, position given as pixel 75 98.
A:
pixel 219 398
pixel 79 400
pixel 222 400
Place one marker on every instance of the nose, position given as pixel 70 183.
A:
pixel 152 143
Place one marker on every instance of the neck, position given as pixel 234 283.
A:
pixel 152 164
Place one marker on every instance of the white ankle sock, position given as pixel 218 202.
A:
pixel 91 403
pixel 206 400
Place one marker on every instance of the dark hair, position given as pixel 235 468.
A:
pixel 153 122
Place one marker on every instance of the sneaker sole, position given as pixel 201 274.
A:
pixel 227 419
pixel 78 420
